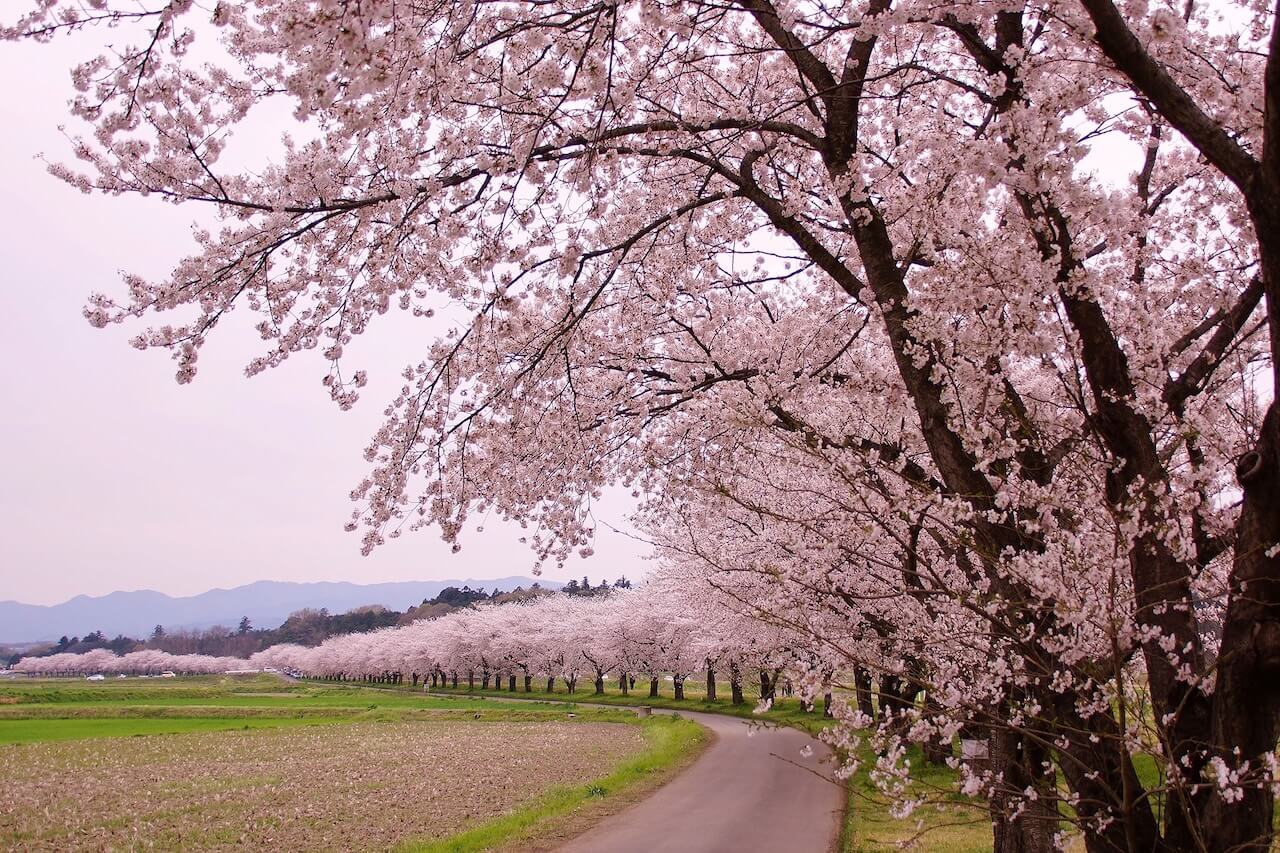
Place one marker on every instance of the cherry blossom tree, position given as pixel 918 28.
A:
pixel 594 636
pixel 848 281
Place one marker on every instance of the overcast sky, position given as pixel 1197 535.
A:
pixel 113 476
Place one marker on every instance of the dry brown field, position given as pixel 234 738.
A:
pixel 355 786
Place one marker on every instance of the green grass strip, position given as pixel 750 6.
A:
pixel 785 711
pixel 39 730
pixel 672 740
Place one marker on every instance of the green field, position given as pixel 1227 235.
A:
pixel 53 710
pixel 222 752
pixel 50 729
pixel 65 710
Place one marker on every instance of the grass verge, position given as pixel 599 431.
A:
pixel 947 823
pixel 785 712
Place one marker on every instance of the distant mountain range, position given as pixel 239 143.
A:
pixel 266 603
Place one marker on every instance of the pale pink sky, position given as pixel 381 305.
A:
pixel 114 477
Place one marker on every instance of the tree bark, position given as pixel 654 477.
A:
pixel 1032 829
pixel 653 688
pixel 1245 710
pixel 735 685
pixel 623 681
pixel 897 694
pixel 679 686
pixel 862 688
pixel 768 685
pixel 711 684
pixel 936 749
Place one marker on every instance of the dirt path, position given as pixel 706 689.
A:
pixel 752 790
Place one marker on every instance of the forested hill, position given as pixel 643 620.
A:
pixel 265 603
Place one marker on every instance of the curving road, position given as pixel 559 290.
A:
pixel 752 790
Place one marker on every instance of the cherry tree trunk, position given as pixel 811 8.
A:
pixel 528 683
pixel 768 684
pixel 511 683
pixel 624 681
pixel 455 678
pixel 826 705
pixel 1031 828
pixel 862 689
pixel 897 694
pixel 471 679
pixel 735 685
pixel 599 685
pixel 484 681
pixel 551 683
pixel 936 750
pixel 679 686
pixel 653 688
pixel 573 684
pixel 711 684
pixel 1246 701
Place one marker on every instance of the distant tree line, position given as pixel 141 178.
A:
pixel 305 627
pixel 585 588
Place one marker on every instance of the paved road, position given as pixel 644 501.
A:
pixel 751 792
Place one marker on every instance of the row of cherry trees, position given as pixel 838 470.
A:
pixel 143 662
pixel 649 633
pixel 554 639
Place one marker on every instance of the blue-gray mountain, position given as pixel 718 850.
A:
pixel 266 603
